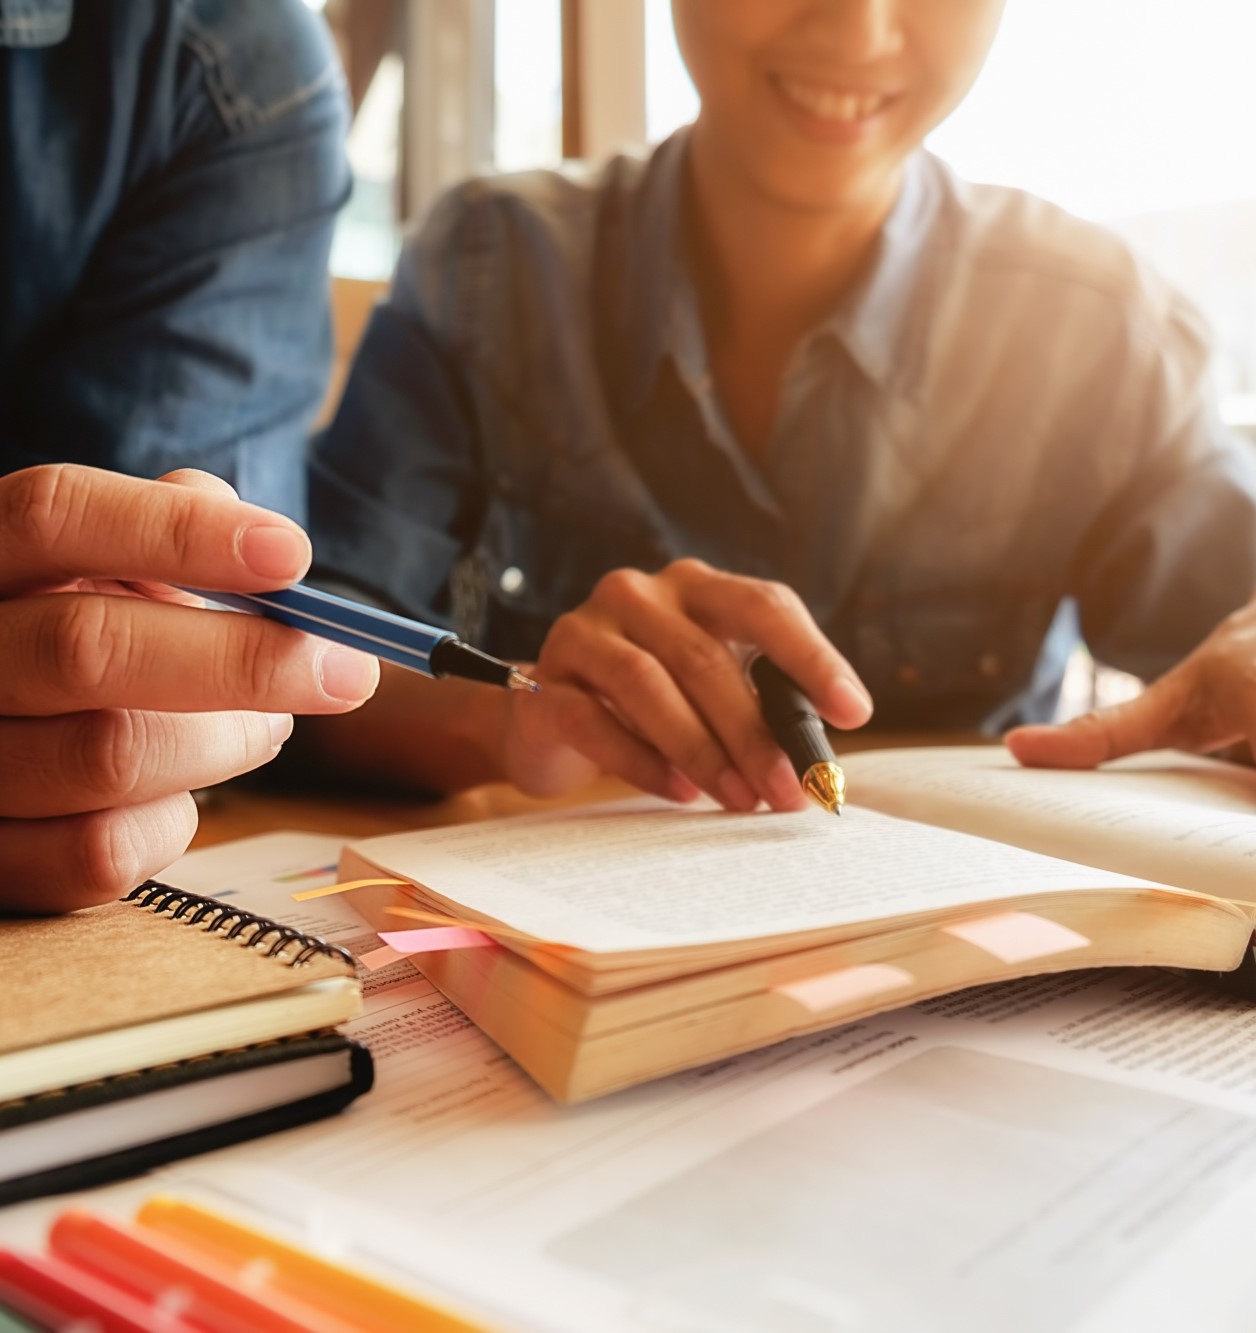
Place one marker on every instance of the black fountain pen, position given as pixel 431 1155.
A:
pixel 799 732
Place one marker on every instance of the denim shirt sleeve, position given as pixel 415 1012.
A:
pixel 1175 549
pixel 396 489
pixel 199 335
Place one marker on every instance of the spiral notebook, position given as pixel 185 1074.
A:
pixel 161 1025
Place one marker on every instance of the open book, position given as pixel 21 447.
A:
pixel 642 938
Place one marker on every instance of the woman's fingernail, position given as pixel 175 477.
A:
pixel 274 551
pixel 347 675
pixel 280 725
pixel 680 789
pixel 857 700
pixel 734 792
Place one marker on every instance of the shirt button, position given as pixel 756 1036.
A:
pixel 990 665
pixel 908 675
pixel 511 580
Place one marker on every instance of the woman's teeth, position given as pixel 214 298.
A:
pixel 829 104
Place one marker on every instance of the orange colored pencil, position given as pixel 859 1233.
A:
pixel 370 1305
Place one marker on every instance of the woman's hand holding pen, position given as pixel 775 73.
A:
pixel 113 707
pixel 640 682
pixel 1206 702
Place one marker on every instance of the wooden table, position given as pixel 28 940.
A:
pixel 237 810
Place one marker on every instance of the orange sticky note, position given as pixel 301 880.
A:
pixel 1016 937
pixel 308 895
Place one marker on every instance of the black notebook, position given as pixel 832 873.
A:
pixel 159 1026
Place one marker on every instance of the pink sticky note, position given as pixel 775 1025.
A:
pixel 378 958
pixel 847 986
pixel 435 939
pixel 1014 937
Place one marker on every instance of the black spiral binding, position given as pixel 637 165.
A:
pixel 248 928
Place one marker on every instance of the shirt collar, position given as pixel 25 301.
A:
pixel 880 322
pixel 35 22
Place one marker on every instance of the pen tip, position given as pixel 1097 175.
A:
pixel 825 784
pixel 518 681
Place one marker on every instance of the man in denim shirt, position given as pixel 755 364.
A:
pixel 169 173
pixel 956 421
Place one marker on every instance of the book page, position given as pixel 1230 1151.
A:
pixel 1177 818
pixel 1065 1150
pixel 645 874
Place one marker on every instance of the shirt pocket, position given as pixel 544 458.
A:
pixel 949 657
pixel 535 561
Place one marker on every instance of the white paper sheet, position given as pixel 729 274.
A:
pixel 1177 818
pixel 644 874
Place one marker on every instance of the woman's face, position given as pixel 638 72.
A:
pixel 816 103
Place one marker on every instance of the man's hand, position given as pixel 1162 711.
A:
pixel 119 695
pixel 640 682
pixel 1204 703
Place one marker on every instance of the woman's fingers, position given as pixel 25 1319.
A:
pixel 642 691
pixel 61 522
pixel 773 618
pixel 120 757
pixel 73 652
pixel 689 696
pixel 1204 703
pixel 566 716
pixel 656 649
pixel 58 865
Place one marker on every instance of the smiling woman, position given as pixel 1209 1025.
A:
pixel 1175 175
pixel 788 382
pixel 781 82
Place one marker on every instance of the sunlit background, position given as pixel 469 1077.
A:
pixel 1137 113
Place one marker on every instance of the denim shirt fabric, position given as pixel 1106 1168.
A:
pixel 1001 437
pixel 170 171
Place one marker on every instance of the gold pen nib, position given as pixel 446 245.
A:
pixel 518 681
pixel 825 783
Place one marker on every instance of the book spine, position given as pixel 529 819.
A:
pixel 248 929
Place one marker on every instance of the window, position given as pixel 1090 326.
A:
pixel 528 83
pixel 670 99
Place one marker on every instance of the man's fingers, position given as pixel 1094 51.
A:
pixel 62 522
pixel 196 480
pixel 73 652
pixel 118 757
pixel 58 865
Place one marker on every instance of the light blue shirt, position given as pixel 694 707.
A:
pixel 1003 432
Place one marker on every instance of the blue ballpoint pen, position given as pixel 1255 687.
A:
pixel 409 643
